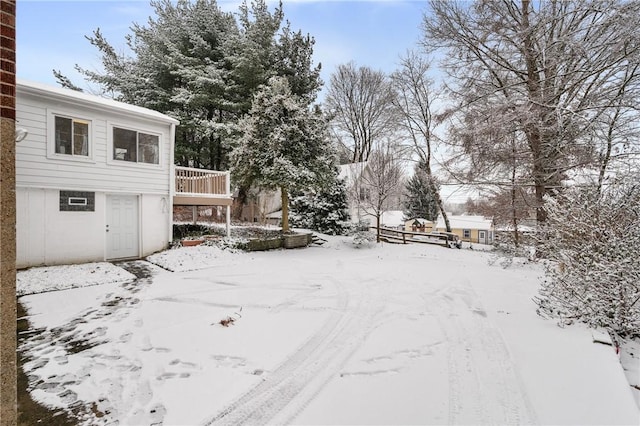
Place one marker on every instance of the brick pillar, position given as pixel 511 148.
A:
pixel 8 385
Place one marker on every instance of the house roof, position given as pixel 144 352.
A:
pixel 465 222
pixel 85 99
pixel 419 220
pixel 392 218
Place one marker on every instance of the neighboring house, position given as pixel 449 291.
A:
pixel 95 178
pixel 418 225
pixel 356 191
pixel 359 193
pixel 392 219
pixel 474 229
pixel 259 205
pixel 274 218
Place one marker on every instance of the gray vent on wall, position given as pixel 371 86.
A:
pixel 77 201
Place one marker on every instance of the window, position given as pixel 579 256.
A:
pixel 466 233
pixel 136 147
pixel 365 194
pixel 71 136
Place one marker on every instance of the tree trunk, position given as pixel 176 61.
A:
pixel 436 194
pixel 443 212
pixel 285 209
pixel 241 199
pixel 378 228
pixel 514 211
pixel 532 131
pixel 514 216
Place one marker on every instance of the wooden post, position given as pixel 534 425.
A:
pixel 227 192
pixel 8 341
pixel 228 218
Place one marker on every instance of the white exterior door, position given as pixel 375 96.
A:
pixel 122 226
pixel 482 236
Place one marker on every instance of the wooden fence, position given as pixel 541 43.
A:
pixel 199 181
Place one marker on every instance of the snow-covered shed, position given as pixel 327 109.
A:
pixel 418 224
pixel 475 229
pixel 95 178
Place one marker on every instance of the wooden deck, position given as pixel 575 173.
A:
pixel 199 187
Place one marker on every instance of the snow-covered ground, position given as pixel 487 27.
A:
pixel 390 334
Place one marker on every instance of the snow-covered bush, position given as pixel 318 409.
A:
pixel 362 235
pixel 592 243
pixel 505 251
pixel 324 211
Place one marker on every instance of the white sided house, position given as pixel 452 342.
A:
pixel 95 178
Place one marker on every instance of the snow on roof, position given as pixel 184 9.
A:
pixel 419 220
pixel 44 90
pixel 351 172
pixel 392 218
pixel 465 222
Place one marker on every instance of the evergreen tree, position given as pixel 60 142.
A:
pixel 284 144
pixel 203 66
pixel 420 201
pixel 325 211
pixel 181 67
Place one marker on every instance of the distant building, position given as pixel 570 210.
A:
pixel 359 194
pixel 473 229
pixel 392 219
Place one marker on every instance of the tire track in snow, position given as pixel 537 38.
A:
pixel 285 392
pixel 484 385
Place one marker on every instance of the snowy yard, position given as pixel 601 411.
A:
pixel 391 334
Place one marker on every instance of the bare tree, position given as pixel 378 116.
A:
pixel 618 128
pixel 553 70
pixel 415 96
pixel 380 182
pixel 359 104
pixel 493 154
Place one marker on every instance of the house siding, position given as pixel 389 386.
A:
pixel 474 224
pixel 35 169
pixel 155 213
pixel 47 235
pixel 474 234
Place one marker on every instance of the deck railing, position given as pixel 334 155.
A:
pixel 201 182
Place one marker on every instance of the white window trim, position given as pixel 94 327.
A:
pixel 138 129
pixel 51 137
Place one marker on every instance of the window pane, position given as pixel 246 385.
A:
pixel 124 145
pixel 148 149
pixel 63 135
pixel 80 138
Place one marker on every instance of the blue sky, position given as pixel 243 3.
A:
pixel 50 34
